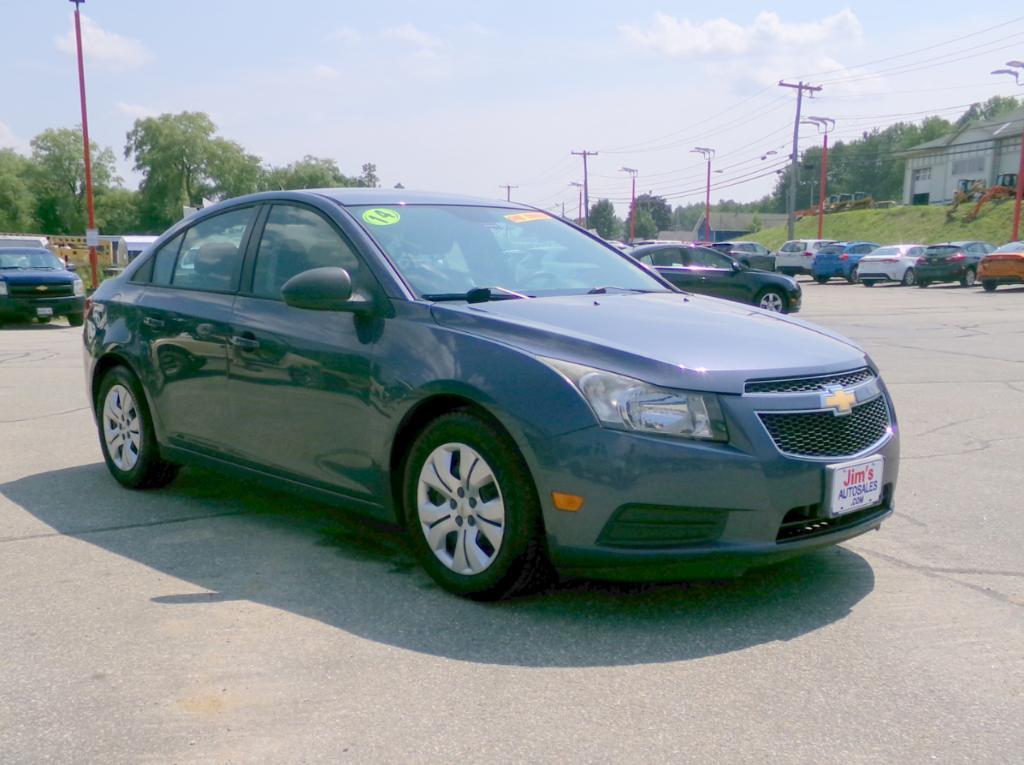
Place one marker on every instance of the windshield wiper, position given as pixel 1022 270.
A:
pixel 604 290
pixel 477 295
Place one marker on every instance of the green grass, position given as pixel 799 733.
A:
pixel 924 225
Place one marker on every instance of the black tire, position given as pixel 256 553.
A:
pixel 777 300
pixel 76 319
pixel 868 282
pixel 989 286
pixel 923 285
pixel 149 470
pixel 968 279
pixel 821 279
pixel 909 278
pixel 854 276
pixel 519 563
pixel 43 319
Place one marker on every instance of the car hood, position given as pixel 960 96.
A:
pixel 671 339
pixel 40 276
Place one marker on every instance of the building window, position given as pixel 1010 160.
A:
pixel 968 165
pixel 923 174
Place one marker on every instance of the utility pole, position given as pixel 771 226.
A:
pixel 632 202
pixel 1017 65
pixel 508 190
pixel 826 124
pixel 579 217
pixel 586 189
pixel 91 238
pixel 708 154
pixel 794 167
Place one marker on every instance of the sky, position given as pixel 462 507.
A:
pixel 468 96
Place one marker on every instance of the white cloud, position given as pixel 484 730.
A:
pixel 108 49
pixel 425 44
pixel 346 35
pixel 135 110
pixel 8 140
pixel 682 37
pixel 324 72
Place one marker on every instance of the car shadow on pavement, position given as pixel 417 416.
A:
pixel 234 540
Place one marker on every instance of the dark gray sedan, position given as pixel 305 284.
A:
pixel 513 391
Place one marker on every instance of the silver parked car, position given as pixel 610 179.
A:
pixel 893 263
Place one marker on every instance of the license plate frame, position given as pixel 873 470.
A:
pixel 847 492
pixel 43 311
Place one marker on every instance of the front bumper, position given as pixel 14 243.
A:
pixel 27 307
pixel 665 509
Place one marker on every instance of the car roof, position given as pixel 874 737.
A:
pixel 24 250
pixel 365 196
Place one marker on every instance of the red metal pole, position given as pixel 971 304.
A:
pixel 1020 190
pixel 93 260
pixel 821 186
pixel 707 206
pixel 632 214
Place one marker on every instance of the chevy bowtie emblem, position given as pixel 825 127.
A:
pixel 42 288
pixel 840 400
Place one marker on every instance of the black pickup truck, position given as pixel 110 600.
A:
pixel 35 284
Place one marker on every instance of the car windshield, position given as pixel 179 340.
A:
pixel 29 258
pixel 1012 247
pixel 444 251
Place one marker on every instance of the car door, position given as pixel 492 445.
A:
pixel 716 275
pixel 671 262
pixel 184 318
pixel 300 380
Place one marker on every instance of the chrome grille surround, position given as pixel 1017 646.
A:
pixel 810 384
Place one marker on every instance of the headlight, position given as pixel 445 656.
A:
pixel 624 402
pixel 79 288
pixel 3 287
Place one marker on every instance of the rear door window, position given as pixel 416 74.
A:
pixel 793 247
pixel 211 253
pixel 163 262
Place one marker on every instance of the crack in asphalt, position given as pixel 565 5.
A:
pixel 962 354
pixel 44 416
pixel 982 445
pixel 123 527
pixel 936 572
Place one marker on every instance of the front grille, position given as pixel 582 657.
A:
pixel 654 526
pixel 33 291
pixel 809 384
pixel 824 434
pixel 804 522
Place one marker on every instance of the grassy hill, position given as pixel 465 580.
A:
pixel 924 225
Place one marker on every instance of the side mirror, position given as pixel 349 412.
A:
pixel 71 267
pixel 324 289
pixel 737 266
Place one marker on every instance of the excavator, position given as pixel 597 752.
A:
pixel 1004 188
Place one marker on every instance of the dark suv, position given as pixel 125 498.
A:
pixel 951 262
pixel 34 284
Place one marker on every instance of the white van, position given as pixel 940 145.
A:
pixel 797 255
pixel 26 240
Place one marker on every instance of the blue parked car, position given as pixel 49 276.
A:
pixel 512 391
pixel 840 259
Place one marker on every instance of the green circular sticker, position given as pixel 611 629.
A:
pixel 381 216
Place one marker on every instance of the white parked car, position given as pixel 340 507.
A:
pixel 797 255
pixel 894 263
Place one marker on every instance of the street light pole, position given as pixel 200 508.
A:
pixel 632 202
pixel 1020 168
pixel 90 233
pixel 826 124
pixel 708 154
pixel 579 217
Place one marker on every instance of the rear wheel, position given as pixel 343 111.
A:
pixel 43 319
pixel 821 279
pixel 968 279
pixel 76 319
pixel 922 285
pixel 471 509
pixel 989 286
pixel 909 277
pixel 868 282
pixel 126 433
pixel 853 276
pixel 772 300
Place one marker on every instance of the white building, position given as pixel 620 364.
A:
pixel 981 151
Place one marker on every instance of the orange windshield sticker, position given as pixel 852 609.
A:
pixel 526 217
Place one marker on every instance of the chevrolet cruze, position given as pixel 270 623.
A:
pixel 518 395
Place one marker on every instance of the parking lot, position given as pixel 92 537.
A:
pixel 215 621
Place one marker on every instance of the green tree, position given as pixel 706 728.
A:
pixel 658 208
pixel 603 220
pixel 995 107
pixel 117 212
pixel 58 179
pixel 308 173
pixel 646 228
pixel 17 201
pixel 369 177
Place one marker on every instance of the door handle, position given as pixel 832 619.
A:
pixel 152 323
pixel 246 342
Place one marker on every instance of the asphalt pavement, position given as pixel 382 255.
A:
pixel 217 622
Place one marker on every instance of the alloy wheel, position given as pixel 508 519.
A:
pixel 460 508
pixel 772 301
pixel 121 427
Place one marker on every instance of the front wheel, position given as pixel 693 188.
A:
pixel 968 279
pixel 923 285
pixel 853 276
pixel 909 278
pixel 471 509
pixel 76 319
pixel 868 282
pixel 126 433
pixel 821 279
pixel 772 300
pixel 989 286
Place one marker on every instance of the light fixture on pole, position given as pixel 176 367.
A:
pixel 91 234
pixel 632 201
pixel 708 155
pixel 824 124
pixel 1020 169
